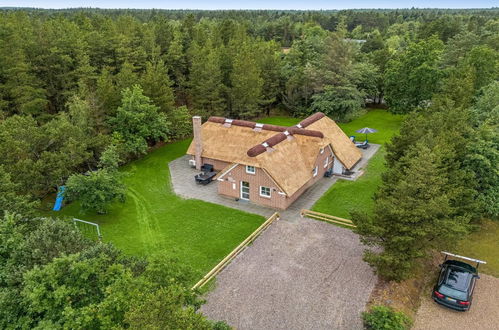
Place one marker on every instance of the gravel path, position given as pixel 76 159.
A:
pixel 483 315
pixel 299 274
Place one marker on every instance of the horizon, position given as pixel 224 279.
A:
pixel 311 5
pixel 247 9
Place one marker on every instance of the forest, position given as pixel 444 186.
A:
pixel 84 91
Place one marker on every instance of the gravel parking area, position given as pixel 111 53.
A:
pixel 483 315
pixel 299 274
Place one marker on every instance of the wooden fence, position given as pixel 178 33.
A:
pixel 327 217
pixel 222 264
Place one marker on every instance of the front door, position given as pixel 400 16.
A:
pixel 245 192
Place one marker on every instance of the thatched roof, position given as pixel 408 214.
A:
pixel 290 161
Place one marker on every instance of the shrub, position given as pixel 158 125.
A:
pixel 382 317
pixel 96 190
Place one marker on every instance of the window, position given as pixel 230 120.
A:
pixel 265 191
pixel 322 151
pixel 316 170
pixel 326 162
pixel 250 169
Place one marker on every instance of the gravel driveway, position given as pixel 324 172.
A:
pixel 483 315
pixel 299 274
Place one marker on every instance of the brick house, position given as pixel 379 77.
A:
pixel 268 164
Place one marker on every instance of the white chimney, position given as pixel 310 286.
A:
pixel 198 140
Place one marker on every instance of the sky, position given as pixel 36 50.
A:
pixel 252 4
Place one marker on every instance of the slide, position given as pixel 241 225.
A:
pixel 59 199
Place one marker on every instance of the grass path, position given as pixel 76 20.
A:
pixel 154 220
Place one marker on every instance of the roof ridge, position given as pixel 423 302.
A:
pixel 279 137
pixel 246 123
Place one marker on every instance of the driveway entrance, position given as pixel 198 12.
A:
pixel 301 274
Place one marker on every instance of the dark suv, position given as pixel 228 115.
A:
pixel 455 285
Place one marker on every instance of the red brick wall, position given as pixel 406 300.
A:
pixel 231 187
pixel 320 174
pixel 218 165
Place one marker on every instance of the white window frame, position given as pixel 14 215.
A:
pixel 248 169
pixel 263 195
pixel 322 151
pixel 316 171
pixel 326 162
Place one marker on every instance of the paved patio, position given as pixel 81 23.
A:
pixel 182 179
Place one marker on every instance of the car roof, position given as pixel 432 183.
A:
pixel 460 264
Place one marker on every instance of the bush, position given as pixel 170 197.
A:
pixel 382 317
pixel 96 190
pixel 338 102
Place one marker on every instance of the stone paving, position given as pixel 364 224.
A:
pixel 182 179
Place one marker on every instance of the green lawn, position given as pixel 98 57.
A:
pixel 483 244
pixel 387 124
pixel 282 121
pixel 345 196
pixel 153 219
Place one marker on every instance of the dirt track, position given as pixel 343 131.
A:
pixel 299 274
pixel 483 315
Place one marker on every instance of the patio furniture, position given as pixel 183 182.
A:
pixel 328 173
pixel 206 168
pixel 362 145
pixel 348 172
pixel 206 176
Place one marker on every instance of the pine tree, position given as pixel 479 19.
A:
pixel 270 72
pixel 127 77
pixel 157 85
pixel 205 78
pixel 415 210
pixel 107 93
pixel 177 64
pixel 246 89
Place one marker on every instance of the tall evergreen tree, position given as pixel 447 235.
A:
pixel 415 211
pixel 158 86
pixel 206 85
pixel 246 84
pixel 270 71
pixel 177 64
pixel 107 93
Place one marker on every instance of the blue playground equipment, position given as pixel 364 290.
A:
pixel 59 198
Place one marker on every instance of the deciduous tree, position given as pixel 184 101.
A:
pixel 138 121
